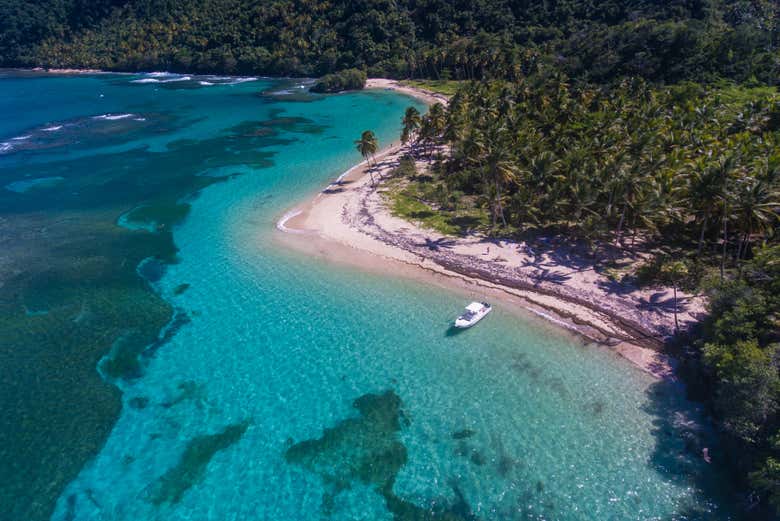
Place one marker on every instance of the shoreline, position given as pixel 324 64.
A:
pixel 348 222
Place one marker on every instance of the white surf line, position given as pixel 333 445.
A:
pixel 281 224
pixel 339 179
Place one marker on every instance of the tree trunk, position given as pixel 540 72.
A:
pixel 494 212
pixel 701 235
pixel 620 225
pixel 744 245
pixel 725 245
pixel 676 323
pixel 740 242
pixel 498 203
pixel 370 170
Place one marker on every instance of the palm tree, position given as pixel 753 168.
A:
pixel 540 174
pixel 411 123
pixel 437 117
pixel 367 146
pixel 431 127
pixel 755 208
pixel 493 155
pixel 706 185
pixel 673 272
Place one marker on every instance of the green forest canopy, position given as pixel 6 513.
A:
pixel 596 40
pixel 690 174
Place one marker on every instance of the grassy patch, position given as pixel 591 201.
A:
pixel 409 200
pixel 731 93
pixel 446 87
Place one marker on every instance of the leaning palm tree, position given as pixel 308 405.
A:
pixel 411 123
pixel 367 146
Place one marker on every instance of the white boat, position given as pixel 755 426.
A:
pixel 475 312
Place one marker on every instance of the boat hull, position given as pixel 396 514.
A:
pixel 460 323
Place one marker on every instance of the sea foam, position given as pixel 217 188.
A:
pixel 162 78
pixel 236 81
pixel 113 117
pixel 224 80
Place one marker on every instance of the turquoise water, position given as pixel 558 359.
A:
pixel 287 388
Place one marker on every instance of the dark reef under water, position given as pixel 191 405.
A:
pixel 190 468
pixel 368 450
pixel 71 290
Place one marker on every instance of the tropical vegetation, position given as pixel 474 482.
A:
pixel 687 175
pixel 349 79
pixel 690 162
pixel 596 40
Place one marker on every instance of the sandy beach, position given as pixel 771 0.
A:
pixel 349 221
pixel 73 71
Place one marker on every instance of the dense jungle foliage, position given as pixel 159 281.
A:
pixel 687 175
pixel 596 40
pixel 349 79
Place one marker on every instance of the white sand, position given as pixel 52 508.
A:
pixel 349 222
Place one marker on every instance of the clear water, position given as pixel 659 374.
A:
pixel 511 420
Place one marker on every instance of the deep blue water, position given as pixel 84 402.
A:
pixel 285 388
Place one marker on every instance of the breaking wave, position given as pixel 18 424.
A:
pixel 113 117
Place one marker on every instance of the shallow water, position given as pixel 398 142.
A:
pixel 285 388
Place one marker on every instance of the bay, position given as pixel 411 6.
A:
pixel 255 383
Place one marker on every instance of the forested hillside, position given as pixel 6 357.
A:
pixel 595 40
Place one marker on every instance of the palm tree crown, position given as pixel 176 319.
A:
pixel 411 124
pixel 367 144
